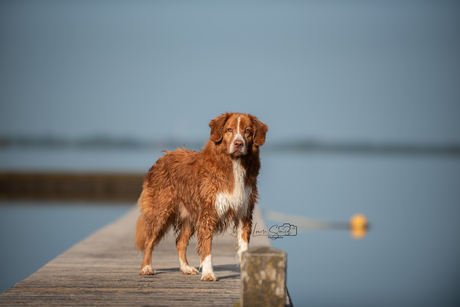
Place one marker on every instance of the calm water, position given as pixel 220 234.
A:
pixel 32 234
pixel 410 257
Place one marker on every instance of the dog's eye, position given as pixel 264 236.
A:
pixel 247 130
pixel 229 129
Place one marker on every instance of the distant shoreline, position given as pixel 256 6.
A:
pixel 300 145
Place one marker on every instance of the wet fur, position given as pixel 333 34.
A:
pixel 181 188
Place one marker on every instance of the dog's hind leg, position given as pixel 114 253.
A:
pixel 155 234
pixel 185 233
pixel 146 268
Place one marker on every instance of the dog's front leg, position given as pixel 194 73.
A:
pixel 243 234
pixel 181 243
pixel 204 249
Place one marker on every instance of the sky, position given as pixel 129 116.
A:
pixel 373 71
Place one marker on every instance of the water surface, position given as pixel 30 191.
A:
pixel 408 258
pixel 32 234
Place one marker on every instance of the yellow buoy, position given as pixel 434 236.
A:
pixel 358 226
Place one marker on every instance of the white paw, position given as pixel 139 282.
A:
pixel 189 270
pixel 147 270
pixel 208 277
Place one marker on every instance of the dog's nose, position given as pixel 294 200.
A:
pixel 238 144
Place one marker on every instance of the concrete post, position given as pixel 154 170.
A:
pixel 263 277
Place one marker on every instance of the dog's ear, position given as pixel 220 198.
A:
pixel 261 131
pixel 217 127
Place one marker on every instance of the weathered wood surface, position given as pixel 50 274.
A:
pixel 103 270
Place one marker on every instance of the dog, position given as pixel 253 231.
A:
pixel 203 192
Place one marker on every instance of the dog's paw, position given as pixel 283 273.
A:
pixel 147 270
pixel 209 277
pixel 189 270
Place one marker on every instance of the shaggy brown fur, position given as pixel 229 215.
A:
pixel 203 192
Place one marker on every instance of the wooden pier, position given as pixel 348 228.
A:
pixel 103 270
pixel 65 186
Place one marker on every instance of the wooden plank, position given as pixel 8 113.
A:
pixel 103 270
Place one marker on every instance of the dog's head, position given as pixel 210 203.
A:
pixel 238 132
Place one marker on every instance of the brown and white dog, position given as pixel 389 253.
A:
pixel 203 192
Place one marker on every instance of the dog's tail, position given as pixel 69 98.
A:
pixel 141 234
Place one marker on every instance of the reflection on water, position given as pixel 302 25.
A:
pixel 357 226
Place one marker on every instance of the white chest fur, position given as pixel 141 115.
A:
pixel 238 199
